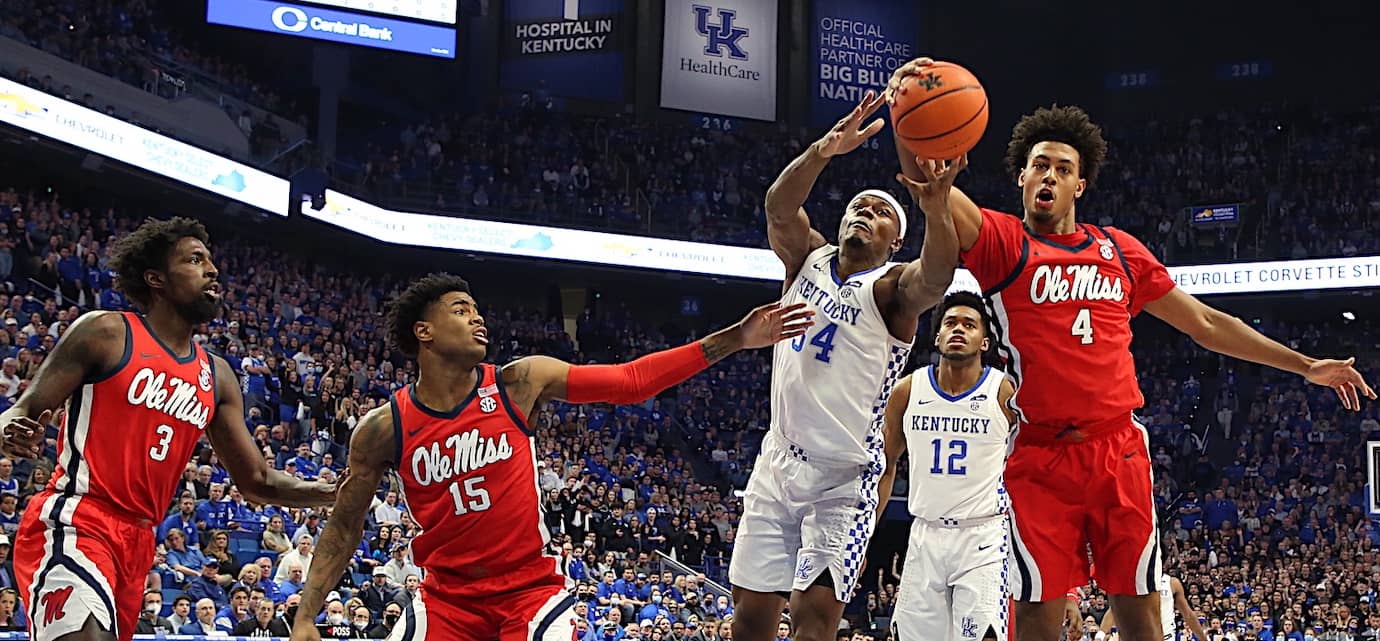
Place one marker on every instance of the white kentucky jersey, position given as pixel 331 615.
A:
pixel 1166 608
pixel 829 387
pixel 958 446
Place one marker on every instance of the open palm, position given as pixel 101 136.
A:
pixel 1342 377
pixel 848 133
pixel 772 323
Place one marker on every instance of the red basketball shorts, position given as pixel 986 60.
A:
pixel 1076 493
pixel 75 559
pixel 538 614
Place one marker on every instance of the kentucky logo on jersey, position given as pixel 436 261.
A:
pixel 807 567
pixel 1060 284
pixel 204 379
pixel 172 396
pixel 463 453
pixel 968 628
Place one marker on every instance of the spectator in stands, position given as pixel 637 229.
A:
pixel 294 581
pixel 218 547
pixel 411 584
pixel 11 616
pixel 207 586
pixel 299 556
pixel 205 624
pixel 388 511
pixel 236 609
pixel 264 624
pixel 378 593
pixel 184 519
pixel 150 620
pixel 187 561
pixel 275 538
pixel 311 528
pixel 400 566
pixel 181 612
pixel 391 614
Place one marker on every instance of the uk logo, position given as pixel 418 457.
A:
pixel 722 35
pixel 807 567
pixel 55 604
pixel 969 628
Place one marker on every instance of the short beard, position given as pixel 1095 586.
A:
pixel 958 356
pixel 198 311
pixel 854 241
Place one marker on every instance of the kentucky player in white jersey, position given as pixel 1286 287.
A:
pixel 812 498
pixel 1171 598
pixel 956 422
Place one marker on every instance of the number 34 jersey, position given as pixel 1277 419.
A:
pixel 470 477
pixel 829 387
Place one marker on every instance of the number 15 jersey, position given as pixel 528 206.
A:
pixel 1061 309
pixel 829 387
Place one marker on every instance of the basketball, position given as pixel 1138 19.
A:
pixel 943 112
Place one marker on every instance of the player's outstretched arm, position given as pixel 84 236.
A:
pixel 967 216
pixel 788 226
pixel 371 446
pixel 231 440
pixel 536 380
pixel 1227 334
pixel 1185 610
pixel 93 345
pixel 924 280
pixel 894 441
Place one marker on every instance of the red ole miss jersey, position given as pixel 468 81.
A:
pixel 470 477
pixel 130 431
pixel 1062 307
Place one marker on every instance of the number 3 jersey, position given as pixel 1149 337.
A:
pixel 470 478
pixel 130 431
pixel 1061 309
pixel 957 446
pixel 829 387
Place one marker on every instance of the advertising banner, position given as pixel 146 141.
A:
pixel 336 26
pixel 1215 214
pixel 570 48
pixel 720 57
pixel 855 45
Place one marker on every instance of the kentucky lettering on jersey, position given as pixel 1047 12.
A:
pixel 827 307
pixel 472 452
pixel 830 386
pixel 172 396
pixel 1063 283
pixel 950 424
pixel 958 447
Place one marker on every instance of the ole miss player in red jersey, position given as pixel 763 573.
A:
pixel 1063 294
pixel 141 395
pixel 460 440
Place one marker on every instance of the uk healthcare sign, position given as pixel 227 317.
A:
pixel 334 26
pixel 572 48
pixel 103 135
pixel 720 57
pixel 855 46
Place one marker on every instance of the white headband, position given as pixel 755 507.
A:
pixel 888 199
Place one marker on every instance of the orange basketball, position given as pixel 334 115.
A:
pixel 943 112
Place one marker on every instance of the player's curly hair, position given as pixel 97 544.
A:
pixel 1069 125
pixel 147 248
pixel 408 308
pixel 961 299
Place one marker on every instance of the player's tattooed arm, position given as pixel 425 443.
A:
pixel 231 440
pixel 371 451
pixel 894 441
pixel 93 345
pixel 533 381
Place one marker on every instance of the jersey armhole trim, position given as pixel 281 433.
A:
pixel 1130 276
pixel 397 430
pixel 512 410
pixel 124 358
pixel 1015 271
pixel 215 389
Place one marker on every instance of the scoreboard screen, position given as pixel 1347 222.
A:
pixel 428 10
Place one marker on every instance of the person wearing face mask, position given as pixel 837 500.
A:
pixel 263 625
pixel 149 620
pixel 391 614
pixel 654 607
pixel 336 625
pixel 359 621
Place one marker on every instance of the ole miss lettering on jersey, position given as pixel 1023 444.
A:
pixel 470 478
pixel 148 412
pixel 1062 307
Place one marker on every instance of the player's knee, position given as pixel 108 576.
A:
pixel 90 631
pixel 751 624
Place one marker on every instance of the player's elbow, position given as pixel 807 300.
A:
pixel 1213 329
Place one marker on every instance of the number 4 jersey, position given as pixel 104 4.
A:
pixel 470 477
pixel 829 387
pixel 1062 306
